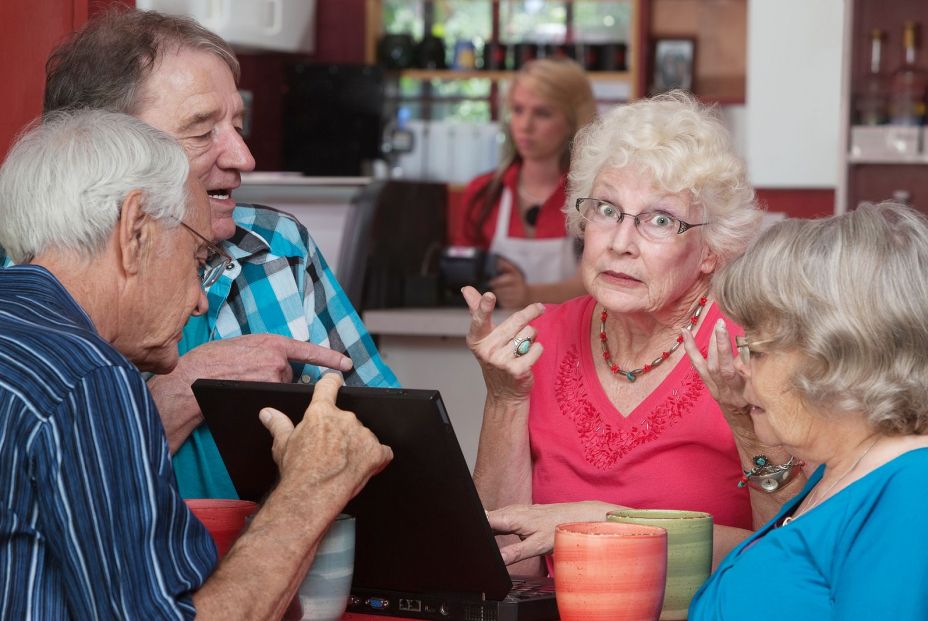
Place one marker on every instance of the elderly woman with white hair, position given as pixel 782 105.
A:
pixel 593 404
pixel 835 314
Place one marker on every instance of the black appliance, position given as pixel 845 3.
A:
pixel 332 122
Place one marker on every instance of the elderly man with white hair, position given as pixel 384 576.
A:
pixel 92 524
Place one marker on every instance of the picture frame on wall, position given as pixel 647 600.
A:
pixel 673 64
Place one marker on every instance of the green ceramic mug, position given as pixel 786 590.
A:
pixel 689 552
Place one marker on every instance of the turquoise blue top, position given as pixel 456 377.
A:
pixel 861 554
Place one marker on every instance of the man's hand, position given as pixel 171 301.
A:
pixel 253 357
pixel 329 451
pixel 324 461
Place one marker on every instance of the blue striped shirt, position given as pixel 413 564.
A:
pixel 92 525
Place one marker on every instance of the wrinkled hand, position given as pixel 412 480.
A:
pixel 330 451
pixel 257 357
pixel 509 285
pixel 718 371
pixel 253 357
pixel 507 376
pixel 535 524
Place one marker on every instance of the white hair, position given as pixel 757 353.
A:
pixel 849 292
pixel 684 147
pixel 64 181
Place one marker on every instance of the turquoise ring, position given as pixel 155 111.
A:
pixel 521 345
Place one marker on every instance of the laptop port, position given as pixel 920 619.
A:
pixel 410 605
pixel 378 603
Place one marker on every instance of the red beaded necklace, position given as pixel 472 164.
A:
pixel 631 376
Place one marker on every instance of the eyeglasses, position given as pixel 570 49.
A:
pixel 744 347
pixel 653 225
pixel 217 259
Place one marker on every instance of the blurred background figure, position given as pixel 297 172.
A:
pixel 517 212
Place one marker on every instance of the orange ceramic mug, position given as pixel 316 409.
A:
pixel 609 571
pixel 223 518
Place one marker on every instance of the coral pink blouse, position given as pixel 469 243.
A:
pixel 673 451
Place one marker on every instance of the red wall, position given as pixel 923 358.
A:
pixel 798 203
pixel 29 30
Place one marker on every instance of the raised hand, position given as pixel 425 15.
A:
pixel 720 374
pixel 330 448
pixel 507 369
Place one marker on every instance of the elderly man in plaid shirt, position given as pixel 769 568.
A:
pixel 276 312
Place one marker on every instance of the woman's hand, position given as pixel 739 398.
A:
pixel 718 371
pixel 534 525
pixel 509 285
pixel 508 376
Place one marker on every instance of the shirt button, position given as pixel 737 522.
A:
pixel 305 378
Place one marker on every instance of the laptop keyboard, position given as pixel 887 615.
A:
pixel 525 588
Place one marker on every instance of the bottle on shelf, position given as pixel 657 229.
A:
pixel 909 83
pixel 872 103
pixel 902 197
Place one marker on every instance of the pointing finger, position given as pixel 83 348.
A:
pixel 326 389
pixel 311 353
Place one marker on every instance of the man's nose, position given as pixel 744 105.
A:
pixel 235 154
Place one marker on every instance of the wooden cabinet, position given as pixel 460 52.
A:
pixel 863 178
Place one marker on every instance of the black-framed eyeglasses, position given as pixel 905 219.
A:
pixel 744 347
pixel 217 259
pixel 653 225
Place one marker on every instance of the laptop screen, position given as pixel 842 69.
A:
pixel 420 524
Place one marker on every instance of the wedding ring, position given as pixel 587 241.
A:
pixel 521 345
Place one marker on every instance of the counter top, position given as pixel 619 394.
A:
pixel 423 321
pixel 293 178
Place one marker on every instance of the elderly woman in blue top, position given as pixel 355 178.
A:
pixel 276 312
pixel 834 369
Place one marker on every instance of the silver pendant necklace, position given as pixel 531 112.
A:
pixel 824 495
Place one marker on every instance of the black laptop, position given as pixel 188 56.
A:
pixel 424 547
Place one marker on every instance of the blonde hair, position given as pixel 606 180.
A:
pixel 683 146
pixel 850 293
pixel 561 82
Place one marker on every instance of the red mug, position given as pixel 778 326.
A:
pixel 223 518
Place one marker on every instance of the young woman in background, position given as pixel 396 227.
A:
pixel 517 212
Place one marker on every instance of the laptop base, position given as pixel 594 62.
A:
pixel 531 599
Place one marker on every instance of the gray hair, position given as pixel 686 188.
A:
pixel 684 147
pixel 850 293
pixel 105 64
pixel 64 181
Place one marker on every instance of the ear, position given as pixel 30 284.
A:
pixel 710 260
pixel 132 233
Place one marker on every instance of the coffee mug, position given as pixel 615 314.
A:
pixel 325 590
pixel 223 518
pixel 609 571
pixel 689 552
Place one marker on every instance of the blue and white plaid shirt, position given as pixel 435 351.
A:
pixel 278 284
